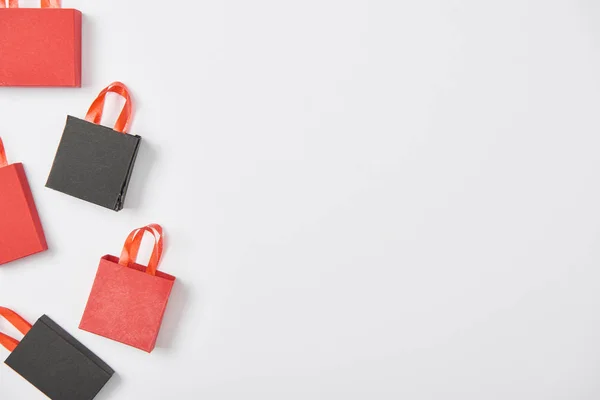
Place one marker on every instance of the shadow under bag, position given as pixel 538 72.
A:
pixel 93 162
pixel 52 360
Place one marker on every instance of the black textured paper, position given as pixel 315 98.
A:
pixel 94 163
pixel 57 364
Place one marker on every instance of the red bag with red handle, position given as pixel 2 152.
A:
pixel 128 300
pixel 21 232
pixel 39 46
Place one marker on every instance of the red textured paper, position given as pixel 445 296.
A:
pixel 40 47
pixel 126 304
pixel 21 231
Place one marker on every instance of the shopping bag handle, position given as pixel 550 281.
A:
pixel 94 114
pixel 132 247
pixel 18 322
pixel 3 160
pixel 44 3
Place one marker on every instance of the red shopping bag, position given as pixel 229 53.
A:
pixel 21 232
pixel 128 300
pixel 40 47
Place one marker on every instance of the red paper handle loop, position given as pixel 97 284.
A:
pixel 132 247
pixel 94 114
pixel 18 322
pixel 3 160
pixel 44 4
pixel 51 4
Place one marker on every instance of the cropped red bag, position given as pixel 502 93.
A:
pixel 40 46
pixel 21 232
pixel 128 300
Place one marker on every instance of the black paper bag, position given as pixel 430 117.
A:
pixel 94 162
pixel 57 364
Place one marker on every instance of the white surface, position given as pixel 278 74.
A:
pixel 363 199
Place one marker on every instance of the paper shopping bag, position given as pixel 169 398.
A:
pixel 94 162
pixel 21 231
pixel 128 300
pixel 54 361
pixel 39 46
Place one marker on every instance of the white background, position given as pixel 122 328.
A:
pixel 363 199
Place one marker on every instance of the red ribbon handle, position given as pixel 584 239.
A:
pixel 3 160
pixel 94 114
pixel 44 4
pixel 18 322
pixel 132 247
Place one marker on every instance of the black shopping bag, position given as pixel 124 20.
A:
pixel 94 162
pixel 54 361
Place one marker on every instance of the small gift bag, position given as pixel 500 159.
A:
pixel 128 300
pixel 54 361
pixel 93 162
pixel 39 47
pixel 21 231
